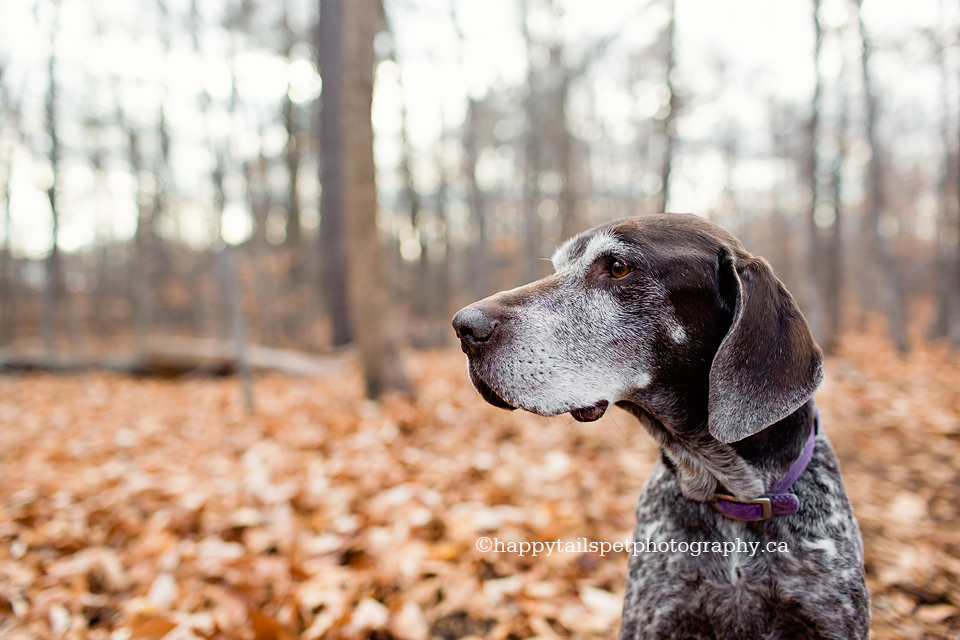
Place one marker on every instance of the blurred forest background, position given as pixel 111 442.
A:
pixel 218 186
pixel 165 172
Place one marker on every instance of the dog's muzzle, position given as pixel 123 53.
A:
pixel 479 328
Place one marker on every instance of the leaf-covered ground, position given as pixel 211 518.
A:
pixel 146 508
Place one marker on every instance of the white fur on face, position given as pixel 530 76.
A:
pixel 566 353
pixel 569 346
pixel 564 262
pixel 606 243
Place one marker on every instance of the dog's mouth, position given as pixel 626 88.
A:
pixel 591 413
pixel 581 414
pixel 487 392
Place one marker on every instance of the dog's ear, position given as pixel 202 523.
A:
pixel 768 364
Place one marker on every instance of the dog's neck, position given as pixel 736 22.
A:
pixel 702 464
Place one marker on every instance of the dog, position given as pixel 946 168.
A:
pixel 670 318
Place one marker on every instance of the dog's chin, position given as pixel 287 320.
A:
pixel 488 394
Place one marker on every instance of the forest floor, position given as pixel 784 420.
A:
pixel 147 508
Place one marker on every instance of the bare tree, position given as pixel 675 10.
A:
pixel 476 200
pixel 332 232
pixel 823 254
pixel 98 155
pixel 947 321
pixel 228 266
pixel 156 259
pixel 367 281
pixel 783 120
pixel 569 197
pixel 413 200
pixel 668 133
pixel 293 156
pixel 954 328
pixel 259 199
pixel 53 295
pixel 534 137
pixel 814 252
pixel 9 120
pixel 441 300
pixel 228 278
pixel 206 318
pixel 143 242
pixel 470 135
pixel 890 288
pixel 832 274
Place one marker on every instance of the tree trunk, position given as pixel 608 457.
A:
pixel 412 199
pixel 227 268
pixel 533 138
pixel 238 324
pixel 479 267
pixel 944 261
pixel 8 301
pixel 293 240
pixel 204 293
pixel 532 232
pixel 890 288
pixel 953 330
pixel 814 306
pixel 569 223
pixel 832 279
pixel 668 133
pixel 441 301
pixel 102 322
pixel 477 271
pixel 368 285
pixel 330 50
pixel 299 317
pixel 53 292
pixel 832 275
pixel 948 313
pixel 143 240
pixel 258 195
pixel 157 260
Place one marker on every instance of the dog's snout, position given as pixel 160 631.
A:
pixel 474 327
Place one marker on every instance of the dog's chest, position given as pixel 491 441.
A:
pixel 696 574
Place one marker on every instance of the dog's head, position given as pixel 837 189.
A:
pixel 668 312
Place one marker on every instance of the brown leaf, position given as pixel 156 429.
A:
pixel 268 628
pixel 151 628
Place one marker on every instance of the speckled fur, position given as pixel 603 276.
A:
pixel 706 348
pixel 815 590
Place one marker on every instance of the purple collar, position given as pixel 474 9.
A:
pixel 775 501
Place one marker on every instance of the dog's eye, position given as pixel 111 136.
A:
pixel 618 269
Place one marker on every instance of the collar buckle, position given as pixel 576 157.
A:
pixel 766 508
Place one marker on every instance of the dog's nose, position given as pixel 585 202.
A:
pixel 474 327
